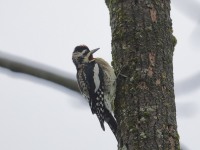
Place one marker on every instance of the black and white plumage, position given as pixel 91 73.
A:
pixel 97 82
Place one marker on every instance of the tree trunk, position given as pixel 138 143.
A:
pixel 142 49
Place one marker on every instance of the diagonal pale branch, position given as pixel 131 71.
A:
pixel 188 85
pixel 21 65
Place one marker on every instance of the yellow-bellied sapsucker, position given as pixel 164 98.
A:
pixel 97 82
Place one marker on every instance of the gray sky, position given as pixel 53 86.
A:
pixel 36 116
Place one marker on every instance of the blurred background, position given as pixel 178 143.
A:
pixel 36 114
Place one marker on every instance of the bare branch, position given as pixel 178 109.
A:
pixel 21 65
pixel 189 8
pixel 188 85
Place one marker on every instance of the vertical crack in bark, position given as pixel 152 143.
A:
pixel 138 132
pixel 157 119
pixel 136 2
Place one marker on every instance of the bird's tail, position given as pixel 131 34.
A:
pixel 101 122
pixel 111 122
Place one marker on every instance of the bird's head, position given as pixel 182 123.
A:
pixel 82 55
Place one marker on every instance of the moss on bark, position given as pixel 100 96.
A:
pixel 142 50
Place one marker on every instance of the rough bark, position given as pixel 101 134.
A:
pixel 142 50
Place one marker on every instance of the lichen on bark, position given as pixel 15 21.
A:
pixel 142 50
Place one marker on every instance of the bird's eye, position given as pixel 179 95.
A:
pixel 85 53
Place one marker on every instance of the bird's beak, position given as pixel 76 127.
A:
pixel 94 50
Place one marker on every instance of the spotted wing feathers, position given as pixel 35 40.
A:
pixel 92 84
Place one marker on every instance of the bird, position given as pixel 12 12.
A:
pixel 97 83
